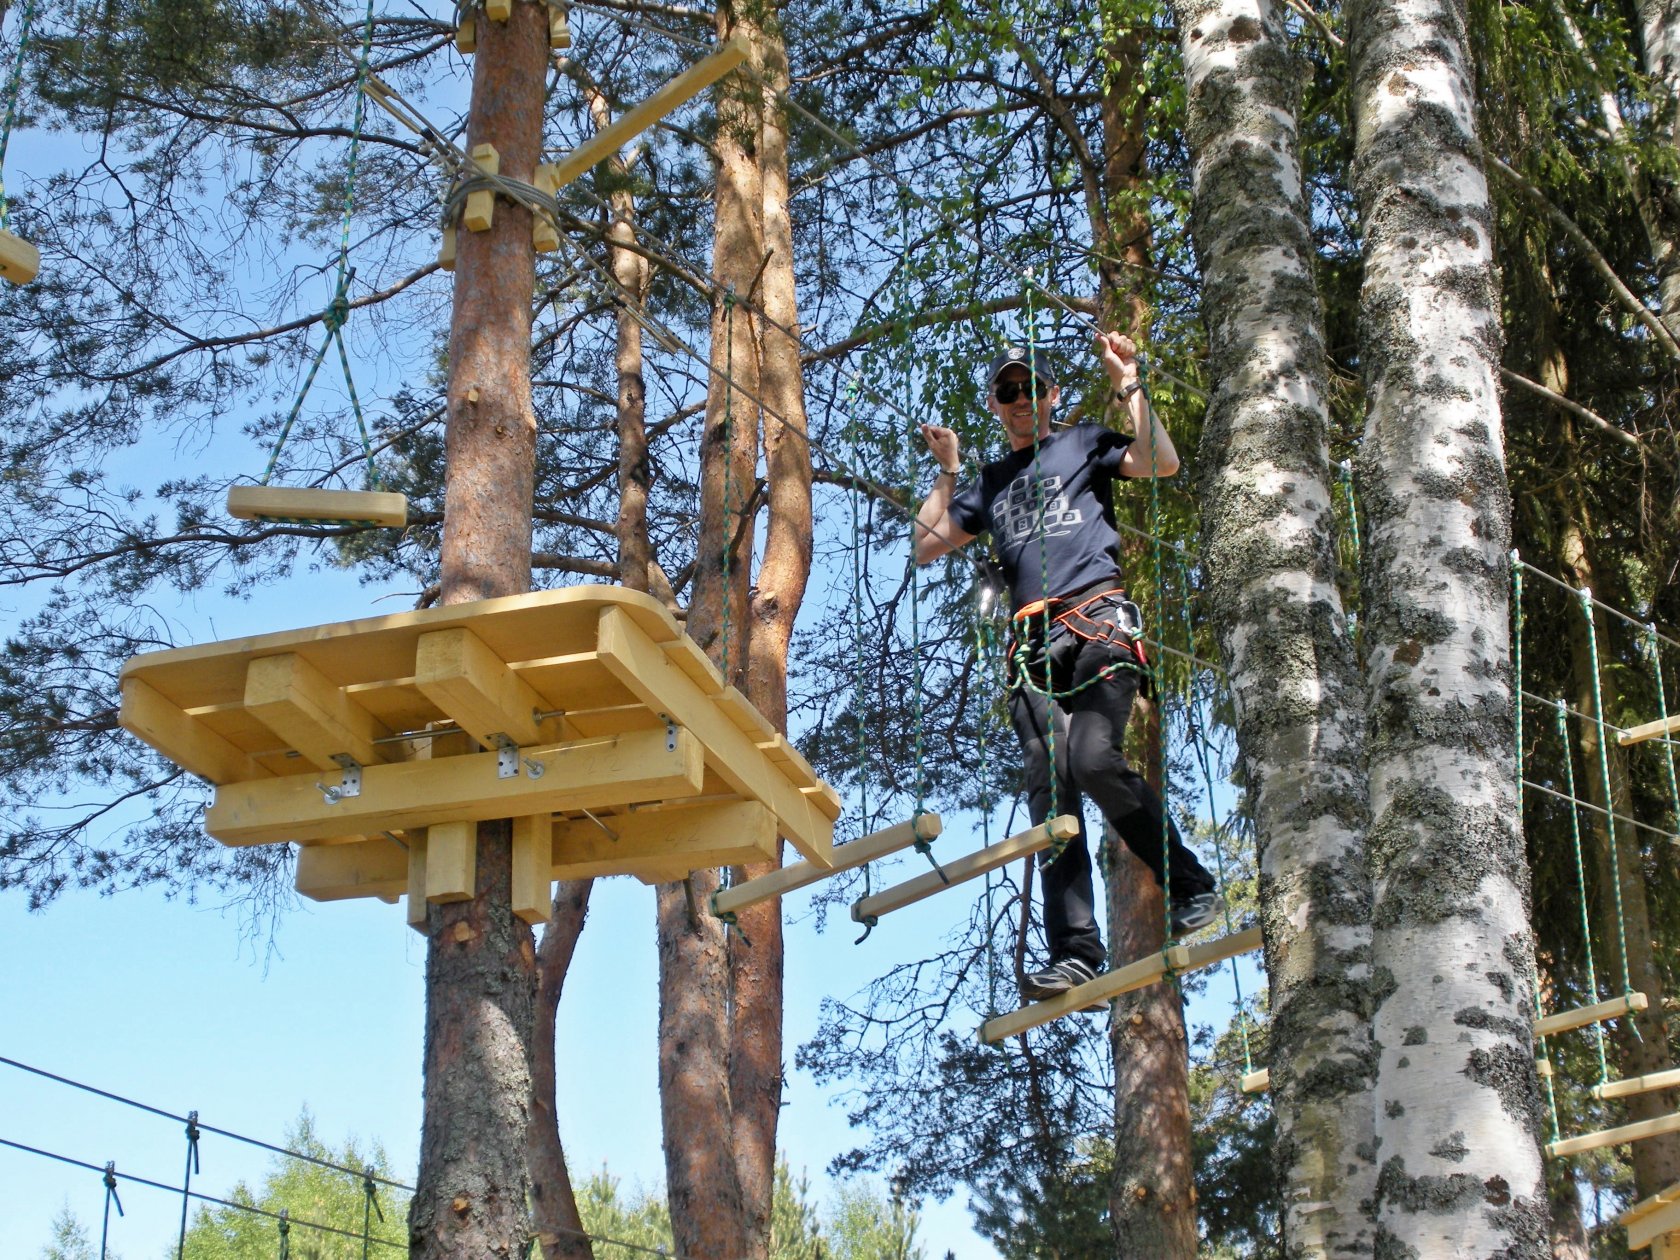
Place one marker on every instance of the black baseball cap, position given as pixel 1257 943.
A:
pixel 1035 359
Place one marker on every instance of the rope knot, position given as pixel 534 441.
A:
pixel 337 313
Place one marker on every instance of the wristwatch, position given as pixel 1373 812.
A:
pixel 1130 388
pixel 950 472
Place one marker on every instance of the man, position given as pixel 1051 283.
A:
pixel 1048 505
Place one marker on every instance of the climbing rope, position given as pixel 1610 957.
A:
pixel 1585 596
pixel 186 1180
pixel 14 92
pixel 728 466
pixel 111 1196
pixel 1581 880
pixel 1649 643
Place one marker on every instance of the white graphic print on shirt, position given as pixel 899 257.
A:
pixel 1015 512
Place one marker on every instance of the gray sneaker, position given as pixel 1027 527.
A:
pixel 1057 978
pixel 1195 913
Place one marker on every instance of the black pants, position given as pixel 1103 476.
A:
pixel 1090 731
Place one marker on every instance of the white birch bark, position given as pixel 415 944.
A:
pixel 1268 535
pixel 1659 30
pixel 1458 1104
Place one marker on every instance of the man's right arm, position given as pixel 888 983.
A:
pixel 936 533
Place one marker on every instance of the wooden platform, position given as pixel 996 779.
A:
pixel 1655 1223
pixel 584 714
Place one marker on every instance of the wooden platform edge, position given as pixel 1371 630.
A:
pixel 847 857
pixel 1652 1217
pixel 962 869
pixel 1646 1084
pixel 1615 1137
pixel 1581 1016
pixel 257 503
pixel 1134 975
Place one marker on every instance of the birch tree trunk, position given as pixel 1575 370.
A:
pixel 1268 536
pixel 474 1185
pixel 1659 30
pixel 709 1205
pixel 1457 1097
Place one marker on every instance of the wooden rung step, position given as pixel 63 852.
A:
pixel 1133 976
pixel 1638 1084
pixel 1649 730
pixel 959 870
pixel 1650 1219
pixel 1257 1082
pixel 281 503
pixel 1581 1016
pixel 847 857
pixel 1617 1136
pixel 19 260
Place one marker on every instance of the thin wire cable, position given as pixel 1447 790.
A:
pixel 1597 809
pixel 1597 603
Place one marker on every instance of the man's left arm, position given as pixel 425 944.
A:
pixel 1151 453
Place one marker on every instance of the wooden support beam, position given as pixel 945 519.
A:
pixel 664 844
pixel 545 235
pixel 416 893
pixel 1646 1084
pixel 451 861
pixel 471 684
pixel 20 261
pixel 310 713
pixel 637 119
pixel 498 10
pixel 847 857
pixel 446 250
pixel 1133 976
pixel 1649 1219
pixel 284 503
pixel 1649 730
pixel 658 682
pixel 533 881
pixel 480 210
pixel 190 744
pixel 1581 1016
pixel 1257 1082
pixel 559 31
pixel 369 868
pixel 466 34
pixel 1615 1137
pixel 958 870
pixel 579 774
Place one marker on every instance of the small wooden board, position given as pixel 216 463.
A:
pixel 1581 1016
pixel 1257 1081
pixel 284 503
pixel 847 857
pixel 20 261
pixel 1618 1136
pixel 962 869
pixel 1659 729
pixel 595 700
pixel 1646 1084
pixel 1650 1219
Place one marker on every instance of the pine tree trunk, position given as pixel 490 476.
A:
pixel 1457 1098
pixel 471 1202
pixel 1269 541
pixel 553 1204
pixel 1152 1199
pixel 709 1205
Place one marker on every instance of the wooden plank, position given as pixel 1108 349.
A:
pixel 1615 1137
pixel 691 658
pixel 366 868
pixel 451 861
pixel 309 712
pixel 448 246
pixel 1649 730
pixel 1257 1082
pixel 1581 1016
pixel 637 119
pixel 545 235
pixel 1666 1246
pixel 533 883
pixel 1133 976
pixel 959 870
pixel 147 715
pixel 847 857
pixel 471 684
pixel 498 10
pixel 559 30
pixel 416 893
pixel 466 41
pixel 480 210
pixel 665 844
pixel 20 261
pixel 286 503
pixel 578 774
pixel 1646 1207
pixel 665 688
pixel 1638 1084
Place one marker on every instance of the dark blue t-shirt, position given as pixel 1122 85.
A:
pixel 1080 546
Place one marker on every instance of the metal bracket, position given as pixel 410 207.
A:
pixel 349 783
pixel 670 734
pixel 507 756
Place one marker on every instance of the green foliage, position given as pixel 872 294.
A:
pixel 312 1196
pixel 72 1240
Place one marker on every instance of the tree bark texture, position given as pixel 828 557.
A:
pixel 1457 1097
pixel 474 1183
pixel 1268 536
pixel 1659 31
pixel 1152 1199
pixel 553 1204
pixel 710 1212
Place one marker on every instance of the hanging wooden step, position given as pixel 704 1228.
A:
pixel 1581 1016
pixel 287 504
pixel 1257 1082
pixel 1655 1223
pixel 584 714
pixel 1133 976
pixel 1618 1136
pixel 20 261
pixel 962 869
pixel 1646 1084
pixel 1659 729
pixel 847 857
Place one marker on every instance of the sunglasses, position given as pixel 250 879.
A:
pixel 1007 392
